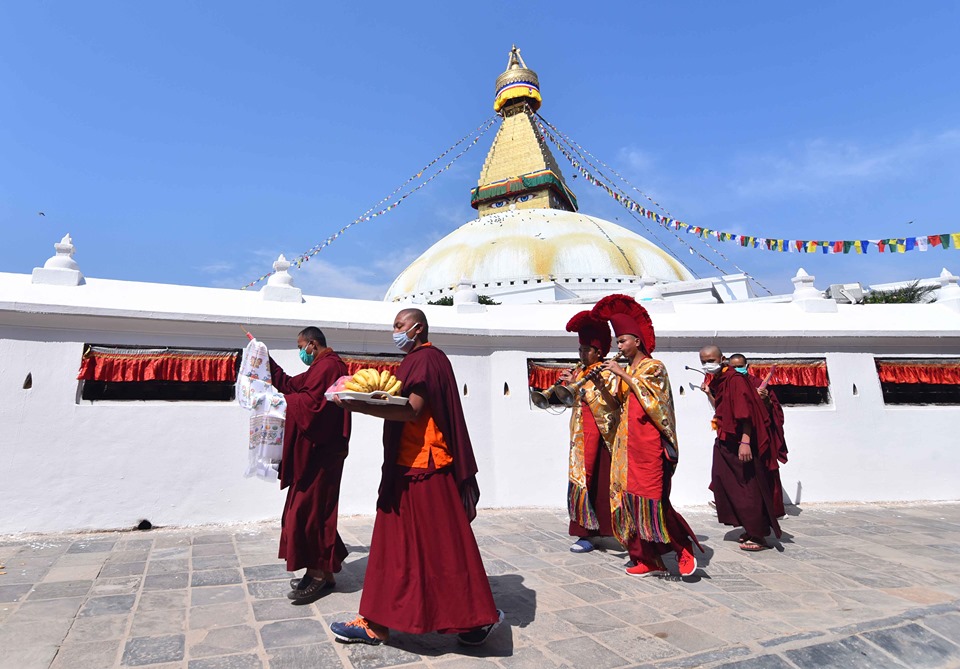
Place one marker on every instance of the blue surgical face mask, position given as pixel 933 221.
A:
pixel 307 358
pixel 404 342
pixel 742 370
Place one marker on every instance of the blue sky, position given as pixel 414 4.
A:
pixel 192 142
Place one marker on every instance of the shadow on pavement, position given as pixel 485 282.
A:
pixel 519 604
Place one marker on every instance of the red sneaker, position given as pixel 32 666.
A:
pixel 641 569
pixel 687 561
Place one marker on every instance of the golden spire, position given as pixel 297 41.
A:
pixel 517 84
pixel 520 172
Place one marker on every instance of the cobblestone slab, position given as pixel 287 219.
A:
pixel 215 598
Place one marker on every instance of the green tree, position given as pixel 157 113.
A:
pixel 910 294
pixel 447 300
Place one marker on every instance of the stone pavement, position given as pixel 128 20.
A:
pixel 849 586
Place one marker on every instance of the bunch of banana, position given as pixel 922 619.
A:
pixel 371 380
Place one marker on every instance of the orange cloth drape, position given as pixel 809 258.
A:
pixel 544 374
pixel 356 363
pixel 793 372
pixel 103 363
pixel 926 371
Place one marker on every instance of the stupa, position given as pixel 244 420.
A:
pixel 529 242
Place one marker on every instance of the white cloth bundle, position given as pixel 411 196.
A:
pixel 268 409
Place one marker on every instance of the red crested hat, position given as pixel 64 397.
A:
pixel 591 330
pixel 627 317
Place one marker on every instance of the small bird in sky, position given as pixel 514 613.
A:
pixel 40 213
pixel 909 222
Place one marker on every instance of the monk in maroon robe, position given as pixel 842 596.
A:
pixel 315 442
pixel 741 454
pixel 424 573
pixel 778 442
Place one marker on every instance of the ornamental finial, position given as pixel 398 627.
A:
pixel 517 85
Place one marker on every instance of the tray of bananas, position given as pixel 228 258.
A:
pixel 368 385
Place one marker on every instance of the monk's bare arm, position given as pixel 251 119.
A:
pixel 743 452
pixel 401 414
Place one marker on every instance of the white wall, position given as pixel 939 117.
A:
pixel 71 465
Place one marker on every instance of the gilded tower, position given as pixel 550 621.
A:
pixel 519 172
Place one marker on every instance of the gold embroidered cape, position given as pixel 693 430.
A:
pixel 606 417
pixel 633 511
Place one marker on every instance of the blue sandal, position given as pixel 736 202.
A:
pixel 582 546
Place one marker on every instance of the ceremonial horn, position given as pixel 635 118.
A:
pixel 568 394
pixel 541 399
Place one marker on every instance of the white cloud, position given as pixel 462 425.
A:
pixel 217 267
pixel 820 165
pixel 319 277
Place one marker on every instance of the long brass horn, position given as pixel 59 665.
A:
pixel 541 399
pixel 570 393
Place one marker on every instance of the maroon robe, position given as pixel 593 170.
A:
pixel 742 491
pixel 315 442
pixel 424 572
pixel 596 462
pixel 778 445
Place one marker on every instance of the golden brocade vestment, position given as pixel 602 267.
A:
pixel 636 469
pixel 606 418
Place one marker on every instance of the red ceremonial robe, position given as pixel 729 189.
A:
pixel 315 442
pixel 742 491
pixel 424 572
pixel 778 445
pixel 596 461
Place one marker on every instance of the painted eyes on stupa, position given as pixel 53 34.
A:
pixel 497 204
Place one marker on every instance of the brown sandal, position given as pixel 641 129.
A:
pixel 753 546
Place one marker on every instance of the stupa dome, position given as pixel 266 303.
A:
pixel 530 246
pixel 529 243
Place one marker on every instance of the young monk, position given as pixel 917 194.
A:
pixel 424 573
pixel 645 450
pixel 778 443
pixel 741 453
pixel 593 425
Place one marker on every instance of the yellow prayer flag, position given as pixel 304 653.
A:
pixel 955 240
pixel 858 246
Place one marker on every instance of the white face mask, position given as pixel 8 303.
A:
pixel 711 367
pixel 403 341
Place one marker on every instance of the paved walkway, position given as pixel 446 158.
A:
pixel 850 586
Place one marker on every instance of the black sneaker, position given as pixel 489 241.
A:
pixel 479 636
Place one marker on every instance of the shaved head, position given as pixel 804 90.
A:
pixel 737 360
pixel 416 314
pixel 413 321
pixel 711 350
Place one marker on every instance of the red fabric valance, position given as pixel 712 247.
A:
pixel 356 363
pixel 544 374
pixel 926 371
pixel 115 364
pixel 793 372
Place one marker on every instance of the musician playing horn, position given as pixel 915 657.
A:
pixel 593 426
pixel 645 451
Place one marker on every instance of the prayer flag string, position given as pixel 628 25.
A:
pixel 374 212
pixel 950 240
pixel 575 147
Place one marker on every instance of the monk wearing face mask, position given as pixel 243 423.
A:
pixel 742 451
pixel 424 573
pixel 315 443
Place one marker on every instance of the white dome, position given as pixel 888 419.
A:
pixel 524 244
